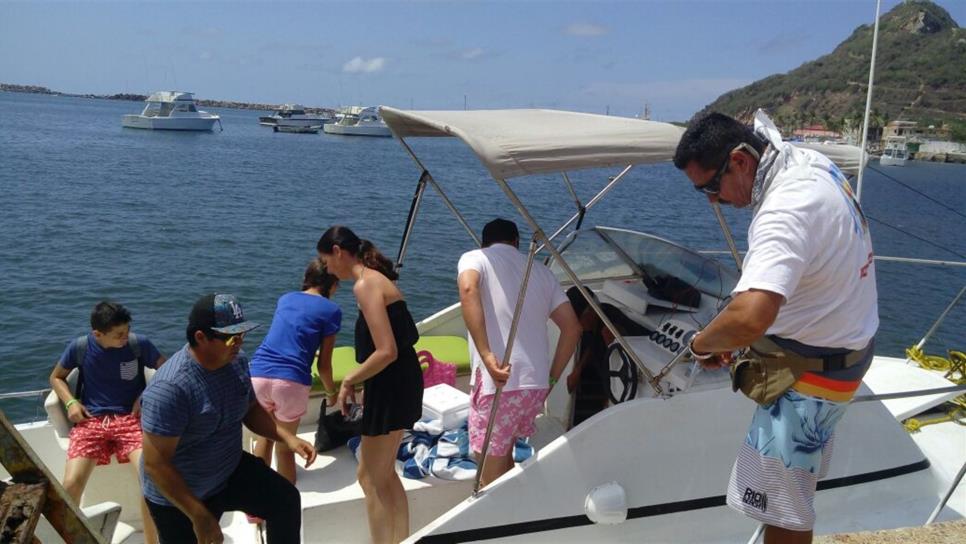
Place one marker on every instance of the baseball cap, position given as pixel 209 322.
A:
pixel 220 313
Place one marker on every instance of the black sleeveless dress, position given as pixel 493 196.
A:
pixel 393 398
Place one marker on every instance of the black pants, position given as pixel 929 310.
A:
pixel 252 488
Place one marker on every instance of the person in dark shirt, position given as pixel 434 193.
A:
pixel 194 468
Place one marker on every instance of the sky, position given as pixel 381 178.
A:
pixel 600 56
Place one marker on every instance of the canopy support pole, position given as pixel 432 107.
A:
pixel 581 209
pixel 426 177
pixel 607 188
pixel 538 233
pixel 411 219
pixel 517 310
pixel 456 212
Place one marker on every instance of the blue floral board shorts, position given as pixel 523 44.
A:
pixel 785 454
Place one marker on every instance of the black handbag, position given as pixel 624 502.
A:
pixel 334 430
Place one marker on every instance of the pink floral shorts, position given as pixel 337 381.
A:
pixel 514 418
pixel 286 400
pixel 100 437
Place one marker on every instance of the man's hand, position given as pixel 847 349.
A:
pixel 136 408
pixel 718 360
pixel 303 449
pixel 499 375
pixel 207 530
pixel 347 396
pixel 78 412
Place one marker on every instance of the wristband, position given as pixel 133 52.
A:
pixel 69 403
pixel 553 381
pixel 698 356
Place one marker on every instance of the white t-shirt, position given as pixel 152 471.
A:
pixel 501 268
pixel 809 242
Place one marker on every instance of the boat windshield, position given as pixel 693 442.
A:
pixel 608 253
pixel 189 107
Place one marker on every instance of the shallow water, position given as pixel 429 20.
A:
pixel 153 219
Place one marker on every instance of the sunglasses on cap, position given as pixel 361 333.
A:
pixel 713 187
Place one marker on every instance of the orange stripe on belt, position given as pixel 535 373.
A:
pixel 819 386
pixel 826 383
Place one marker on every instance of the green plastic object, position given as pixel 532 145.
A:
pixel 448 349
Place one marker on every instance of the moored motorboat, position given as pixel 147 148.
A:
pixel 895 152
pixel 171 110
pixel 358 121
pixel 293 115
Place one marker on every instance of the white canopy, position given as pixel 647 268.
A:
pixel 515 143
pixel 846 157
pixel 523 142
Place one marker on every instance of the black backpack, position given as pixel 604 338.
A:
pixel 80 351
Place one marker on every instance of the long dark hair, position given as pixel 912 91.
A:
pixel 316 275
pixel 364 250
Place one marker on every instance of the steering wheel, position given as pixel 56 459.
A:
pixel 623 379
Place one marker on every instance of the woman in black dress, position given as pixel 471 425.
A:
pixel 388 368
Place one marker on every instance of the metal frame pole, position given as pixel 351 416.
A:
pixel 868 104
pixel 521 296
pixel 538 232
pixel 607 188
pixel 941 318
pixel 411 220
pixel 452 208
pixel 946 497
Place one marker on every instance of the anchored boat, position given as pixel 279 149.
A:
pixel 358 121
pixel 171 110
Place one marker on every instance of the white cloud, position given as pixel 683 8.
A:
pixel 471 54
pixel 585 29
pixel 365 66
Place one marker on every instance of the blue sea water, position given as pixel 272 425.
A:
pixel 152 219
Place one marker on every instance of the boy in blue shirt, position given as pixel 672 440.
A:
pixel 106 415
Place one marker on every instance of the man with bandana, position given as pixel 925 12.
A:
pixel 808 284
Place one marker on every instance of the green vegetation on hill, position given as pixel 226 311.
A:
pixel 920 76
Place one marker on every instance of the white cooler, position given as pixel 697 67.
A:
pixel 446 403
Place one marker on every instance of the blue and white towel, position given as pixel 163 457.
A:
pixel 428 450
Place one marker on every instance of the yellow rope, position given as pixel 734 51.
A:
pixel 955 368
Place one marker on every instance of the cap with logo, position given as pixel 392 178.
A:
pixel 220 313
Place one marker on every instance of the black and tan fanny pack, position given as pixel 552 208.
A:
pixel 765 370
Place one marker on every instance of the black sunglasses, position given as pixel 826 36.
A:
pixel 713 187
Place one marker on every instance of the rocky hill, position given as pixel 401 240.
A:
pixel 920 76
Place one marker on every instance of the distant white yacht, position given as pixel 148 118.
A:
pixel 293 115
pixel 358 121
pixel 895 152
pixel 171 110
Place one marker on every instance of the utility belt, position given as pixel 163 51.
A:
pixel 765 370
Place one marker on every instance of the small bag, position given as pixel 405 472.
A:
pixel 335 430
pixel 436 372
pixel 764 371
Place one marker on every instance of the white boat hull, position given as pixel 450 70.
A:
pixel 169 123
pixel 891 161
pixel 355 130
pixel 317 122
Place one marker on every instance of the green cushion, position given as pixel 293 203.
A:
pixel 448 349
